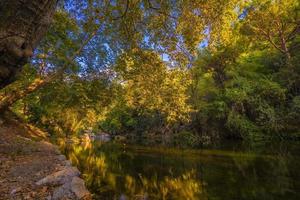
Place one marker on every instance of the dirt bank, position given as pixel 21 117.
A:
pixel 27 157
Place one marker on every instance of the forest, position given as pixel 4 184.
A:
pixel 197 70
pixel 180 74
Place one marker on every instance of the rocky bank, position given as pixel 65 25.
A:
pixel 33 168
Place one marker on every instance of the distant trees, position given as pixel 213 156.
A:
pixel 149 90
pixel 150 85
pixel 248 88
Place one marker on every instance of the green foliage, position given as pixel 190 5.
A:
pixel 69 107
pixel 118 120
pixel 122 119
pixel 296 104
pixel 137 69
pixel 247 89
pixel 241 127
pixel 186 139
pixel 152 97
pixel 248 104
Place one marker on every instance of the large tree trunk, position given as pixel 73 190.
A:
pixel 16 91
pixel 22 24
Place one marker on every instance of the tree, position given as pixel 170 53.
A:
pixel 150 86
pixel 54 50
pixel 22 26
pixel 108 28
pixel 275 22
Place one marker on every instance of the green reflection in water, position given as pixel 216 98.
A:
pixel 114 171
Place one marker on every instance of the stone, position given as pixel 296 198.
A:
pixel 79 189
pixel 61 158
pixel 63 192
pixel 103 137
pixel 123 197
pixel 74 189
pixel 68 163
pixel 60 177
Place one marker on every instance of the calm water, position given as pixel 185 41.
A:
pixel 232 172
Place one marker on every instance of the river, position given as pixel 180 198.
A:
pixel 235 171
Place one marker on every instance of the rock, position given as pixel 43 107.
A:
pixel 74 189
pixel 68 163
pixel 61 158
pixel 43 145
pixel 104 137
pixel 67 184
pixel 63 192
pixel 24 138
pixel 60 177
pixel 123 197
pixel 79 189
pixel 59 167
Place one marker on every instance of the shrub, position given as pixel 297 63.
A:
pixel 241 127
pixel 186 139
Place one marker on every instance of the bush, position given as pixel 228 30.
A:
pixel 122 119
pixel 241 127
pixel 186 139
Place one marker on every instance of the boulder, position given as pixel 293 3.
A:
pixel 61 158
pixel 60 177
pixel 79 189
pixel 63 192
pixel 103 137
pixel 68 163
pixel 74 189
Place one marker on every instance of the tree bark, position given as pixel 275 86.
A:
pixel 8 98
pixel 16 91
pixel 23 23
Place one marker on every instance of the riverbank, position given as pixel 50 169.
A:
pixel 33 168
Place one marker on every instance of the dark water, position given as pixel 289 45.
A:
pixel 232 172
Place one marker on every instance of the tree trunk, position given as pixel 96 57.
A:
pixel 10 97
pixel 23 23
pixel 14 92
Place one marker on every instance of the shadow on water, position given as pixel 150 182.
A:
pixel 114 171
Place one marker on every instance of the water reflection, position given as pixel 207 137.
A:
pixel 113 171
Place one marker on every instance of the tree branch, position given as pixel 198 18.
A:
pixel 159 10
pixel 125 12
